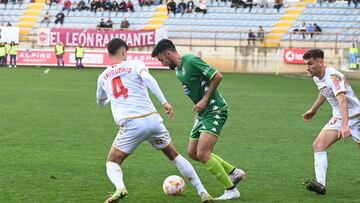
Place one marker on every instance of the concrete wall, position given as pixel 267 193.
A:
pixel 257 59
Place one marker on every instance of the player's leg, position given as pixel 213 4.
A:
pixel 127 140
pixel 114 160
pixel 192 149
pixel 211 127
pixel 206 144
pixel 115 174
pixel 210 130
pixel 325 139
pixel 235 174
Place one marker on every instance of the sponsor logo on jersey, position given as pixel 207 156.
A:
pixel 336 80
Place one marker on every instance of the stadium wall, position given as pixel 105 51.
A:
pixel 258 59
pixel 249 59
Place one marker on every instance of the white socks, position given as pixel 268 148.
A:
pixel 320 166
pixel 115 174
pixel 189 173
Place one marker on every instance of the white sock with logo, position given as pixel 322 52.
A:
pixel 188 171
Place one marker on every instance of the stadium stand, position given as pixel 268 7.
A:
pixel 13 13
pixel 88 19
pixel 337 20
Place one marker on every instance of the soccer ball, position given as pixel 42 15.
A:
pixel 173 185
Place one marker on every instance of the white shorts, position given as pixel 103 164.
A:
pixel 354 125
pixel 136 130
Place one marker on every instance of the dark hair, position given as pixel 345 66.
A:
pixel 163 45
pixel 313 53
pixel 115 45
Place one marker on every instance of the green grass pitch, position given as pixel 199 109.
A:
pixel 54 141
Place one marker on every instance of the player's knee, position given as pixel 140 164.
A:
pixel 203 157
pixel 319 146
pixel 113 159
pixel 192 155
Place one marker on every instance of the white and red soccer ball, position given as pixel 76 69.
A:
pixel 173 185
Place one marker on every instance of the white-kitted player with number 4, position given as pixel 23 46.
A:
pixel 124 85
pixel 345 121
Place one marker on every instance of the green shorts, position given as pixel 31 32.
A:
pixel 211 123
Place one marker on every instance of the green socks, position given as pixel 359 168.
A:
pixel 215 167
pixel 228 167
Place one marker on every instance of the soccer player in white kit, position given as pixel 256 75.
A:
pixel 345 119
pixel 124 85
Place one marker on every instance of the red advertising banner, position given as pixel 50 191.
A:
pixel 91 58
pixel 294 56
pixel 95 38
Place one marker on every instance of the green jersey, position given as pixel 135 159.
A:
pixel 195 76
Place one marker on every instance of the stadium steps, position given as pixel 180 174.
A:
pixel 29 17
pixel 282 26
pixel 158 18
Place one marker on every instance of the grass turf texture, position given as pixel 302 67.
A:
pixel 54 141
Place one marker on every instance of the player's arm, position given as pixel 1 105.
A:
pixel 101 98
pixel 309 114
pixel 151 83
pixel 215 81
pixel 344 131
pixel 337 85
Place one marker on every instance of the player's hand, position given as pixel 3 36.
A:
pixel 169 110
pixel 308 115
pixel 200 106
pixel 344 132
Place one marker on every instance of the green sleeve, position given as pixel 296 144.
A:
pixel 205 69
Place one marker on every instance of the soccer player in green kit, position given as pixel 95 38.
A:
pixel 200 81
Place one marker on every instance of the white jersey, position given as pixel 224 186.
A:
pixel 334 83
pixel 122 85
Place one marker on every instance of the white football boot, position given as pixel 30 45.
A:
pixel 229 194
